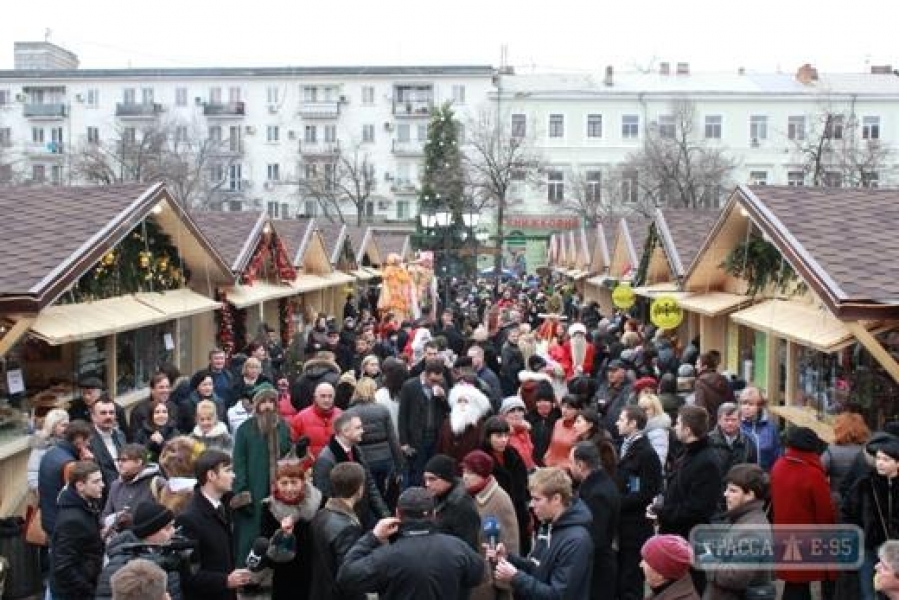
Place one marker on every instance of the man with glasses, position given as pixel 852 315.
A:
pixel 423 408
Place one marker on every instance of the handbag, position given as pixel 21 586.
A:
pixel 34 532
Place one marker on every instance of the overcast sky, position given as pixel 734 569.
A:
pixel 555 35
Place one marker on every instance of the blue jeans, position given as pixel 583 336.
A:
pixel 381 472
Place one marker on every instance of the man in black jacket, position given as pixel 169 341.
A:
pixel 207 521
pixel 323 368
pixel 91 390
pixel 599 493
pixel 423 407
pixel 639 478
pixel 454 339
pixel 421 564
pixel 613 395
pixel 106 441
pixel 76 547
pixel 455 512
pixel 334 531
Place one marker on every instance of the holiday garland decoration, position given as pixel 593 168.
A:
pixel 652 240
pixel 285 320
pixel 232 325
pixel 270 246
pixel 761 264
pixel 144 261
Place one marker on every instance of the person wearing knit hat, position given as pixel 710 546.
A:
pixel 454 512
pixel 152 524
pixel 647 384
pixel 666 565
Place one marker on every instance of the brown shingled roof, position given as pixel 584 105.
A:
pixel 292 232
pixel 688 228
pixel 330 235
pixel 234 234
pixel 391 241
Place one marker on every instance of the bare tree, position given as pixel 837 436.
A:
pixel 496 157
pixel 678 166
pixel 585 196
pixel 341 179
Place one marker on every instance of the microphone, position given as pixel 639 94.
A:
pixel 257 559
pixel 491 530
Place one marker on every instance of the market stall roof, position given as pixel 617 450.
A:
pixel 309 283
pixel 628 245
pixel 394 240
pixel 604 234
pixel 53 235
pixel 334 236
pixel 362 274
pixel 234 234
pixel 681 232
pixel 306 245
pixel 295 234
pixel 338 278
pixel 712 304
pixel 177 304
pixel 364 244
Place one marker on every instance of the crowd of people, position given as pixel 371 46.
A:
pixel 520 445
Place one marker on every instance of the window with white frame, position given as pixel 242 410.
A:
pixel 630 127
pixel 629 191
pixel 235 138
pixel 758 129
pixel 594 126
pixel 713 127
pixel 402 210
pixel 458 94
pixel 796 128
pixel 181 134
pixel 667 128
pixel 216 173
pixel 146 95
pixel 215 133
pixel 285 210
pixel 310 171
pixel 129 135
pixel 93 135
pixel 56 174
pixel 128 96
pixel 330 132
pixel 555 185
pixel 368 95
pixel 93 97
pixel 234 177
pixel 5 97
pixel 329 175
pixel 593 186
pixel 37 135
pixel 329 93
pixel 870 179
pixel 274 210
pixel 272 133
pixel 310 94
pixel 519 125
pixel 402 132
pixel 833 179
pixel 181 96
pixel 369 208
pixel 215 95
pixel 273 94
pixel 368 133
pixel 870 128
pixel 422 132
pixel 758 178
pixel 556 126
pixel 310 208
pixel 310 134
pixel 796 178
pixel 833 127
pixel 403 174
pixel 234 95
pixel 273 172
pixel 517 183
pixel 5 137
pixel 38 173
pixel 5 173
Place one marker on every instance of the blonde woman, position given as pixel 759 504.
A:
pixel 51 432
pixel 658 425
pixel 209 431
pixel 379 439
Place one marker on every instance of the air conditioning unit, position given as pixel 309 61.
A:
pixel 20 97
pixel 246 184
pixel 250 130
pixel 384 204
pixel 79 97
pixel 198 100
pixel 292 135
pixel 273 108
pixel 388 126
pixel 344 100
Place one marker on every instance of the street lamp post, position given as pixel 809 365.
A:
pixel 471 218
pixel 443 219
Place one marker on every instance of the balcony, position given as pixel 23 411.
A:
pixel 319 110
pixel 403 187
pixel 412 108
pixel 319 148
pixel 227 109
pixel 46 149
pixel 408 147
pixel 149 110
pixel 55 110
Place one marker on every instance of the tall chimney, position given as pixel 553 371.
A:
pixel 609 79
pixel 683 68
pixel 806 74
pixel 664 68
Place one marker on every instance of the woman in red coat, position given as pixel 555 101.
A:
pixel 800 495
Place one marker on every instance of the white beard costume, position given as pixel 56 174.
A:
pixel 465 414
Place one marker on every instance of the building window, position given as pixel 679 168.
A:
pixel 38 173
pixel 5 137
pixel 713 127
pixel 630 126
pixel 37 135
pixel 594 126
pixel 310 134
pixel 273 172
pixel 272 133
pixel 555 186
pixel 274 210
pixel 129 135
pixel 128 96
pixel 310 208
pixel 593 186
pixel 272 94
pixel 402 132
pixel 667 128
pixel 833 179
pixel 180 96
pixel 368 95
pixel 402 210
pixel 870 179
pixel 235 140
pixel 796 128
pixel 216 173
pixel 310 94
pixel 93 98
pixel 368 133
pixel 517 179
pixel 93 135
pixel 833 127
pixel 215 133
pixel 5 173
pixel 758 178
pixel 795 178
pixel 458 94
pixel 330 133
pixel 234 178
pixel 758 129
pixel 56 174
pixel 556 126
pixel 460 134
pixel 310 171
pixel 5 97
pixel 181 134
pixel 329 176
pixel 146 95
pixel 215 95
pixel 871 128
pixel 233 95
pixel 519 125
pixel 629 191
pixel 423 132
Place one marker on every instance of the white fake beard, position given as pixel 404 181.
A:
pixel 578 350
pixel 461 417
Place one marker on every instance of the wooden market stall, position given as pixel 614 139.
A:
pixel 598 288
pixel 107 281
pixel 320 289
pixel 827 297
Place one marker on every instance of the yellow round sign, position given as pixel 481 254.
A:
pixel 666 313
pixel 623 296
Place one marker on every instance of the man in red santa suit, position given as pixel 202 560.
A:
pixel 578 352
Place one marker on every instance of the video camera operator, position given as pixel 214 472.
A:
pixel 151 536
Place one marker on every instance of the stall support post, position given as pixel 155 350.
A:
pixel 773 369
pixel 792 371
pixel 871 344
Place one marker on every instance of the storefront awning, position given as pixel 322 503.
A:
pixel 243 296
pixel 712 304
pixel 338 278
pixel 798 322
pixel 660 289
pixel 309 283
pixel 374 272
pixel 600 281
pixel 578 275
pixel 177 304
pixel 361 274
pixel 66 323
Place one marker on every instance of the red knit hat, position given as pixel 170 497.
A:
pixel 645 383
pixel 478 462
pixel 669 555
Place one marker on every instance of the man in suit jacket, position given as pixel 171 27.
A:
pixel 207 521
pixel 423 407
pixel 106 441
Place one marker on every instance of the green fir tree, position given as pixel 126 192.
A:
pixel 442 182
